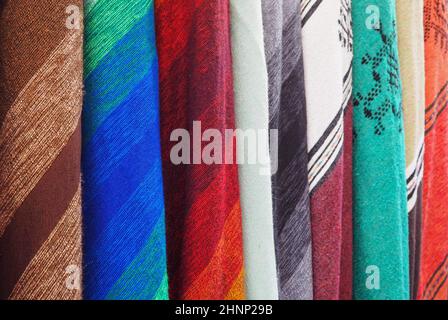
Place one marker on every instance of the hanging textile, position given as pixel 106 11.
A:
pixel 252 116
pixel 412 69
pixel 327 49
pixel 40 141
pixel 123 208
pixel 381 259
pixel 205 254
pixel 433 282
pixel 282 33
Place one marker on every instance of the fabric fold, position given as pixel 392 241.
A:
pixel 287 116
pixel 205 252
pixel 433 284
pixel 40 144
pixel 328 54
pixel 381 258
pixel 412 70
pixel 252 117
pixel 123 206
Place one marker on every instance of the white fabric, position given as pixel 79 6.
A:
pixel 252 112
pixel 327 55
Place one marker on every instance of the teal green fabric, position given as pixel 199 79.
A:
pixel 381 268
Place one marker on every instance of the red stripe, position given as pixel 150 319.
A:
pixel 196 85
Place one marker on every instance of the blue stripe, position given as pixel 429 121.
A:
pixel 144 275
pixel 117 74
pixel 123 208
pixel 133 124
pixel 114 244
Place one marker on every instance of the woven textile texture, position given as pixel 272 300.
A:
pixel 40 109
pixel 123 207
pixel 287 114
pixel 252 113
pixel 412 69
pixel 381 259
pixel 328 54
pixel 205 251
pixel 434 262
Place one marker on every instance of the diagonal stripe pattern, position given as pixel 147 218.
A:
pixel 292 229
pixel 205 256
pixel 328 54
pixel 40 109
pixel 123 207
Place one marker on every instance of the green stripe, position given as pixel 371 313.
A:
pixel 106 22
pixel 146 265
pixel 162 292
pixel 88 5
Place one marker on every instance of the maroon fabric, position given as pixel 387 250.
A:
pixel 331 206
pixel 327 233
pixel 346 281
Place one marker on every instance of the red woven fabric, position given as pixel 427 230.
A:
pixel 332 226
pixel 203 215
pixel 346 280
pixel 434 261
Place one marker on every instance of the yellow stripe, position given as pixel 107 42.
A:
pixel 236 292
pixel 226 255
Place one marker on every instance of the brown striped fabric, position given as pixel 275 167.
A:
pixel 40 108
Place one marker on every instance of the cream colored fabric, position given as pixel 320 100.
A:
pixel 412 65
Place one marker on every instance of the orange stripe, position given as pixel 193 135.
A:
pixel 225 267
pixel 237 290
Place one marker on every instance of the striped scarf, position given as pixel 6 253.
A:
pixel 292 230
pixel 381 260
pixel 327 49
pixel 205 255
pixel 123 208
pixel 434 264
pixel 40 141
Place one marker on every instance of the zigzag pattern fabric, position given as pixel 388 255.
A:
pixel 123 206
pixel 205 251
pixel 434 261
pixel 287 114
pixel 40 142
pixel 380 215
pixel 328 54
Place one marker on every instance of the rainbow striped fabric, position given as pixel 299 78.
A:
pixel 124 228
pixel 223 149
pixel 205 255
